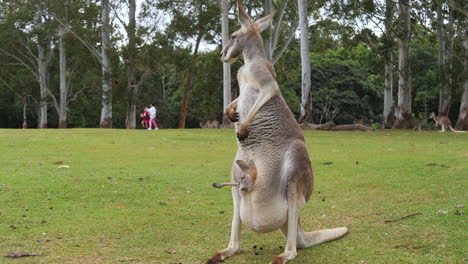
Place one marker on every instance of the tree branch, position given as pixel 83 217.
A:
pixel 286 44
pixel 6 53
pixel 278 25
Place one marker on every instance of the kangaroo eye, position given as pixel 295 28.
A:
pixel 233 37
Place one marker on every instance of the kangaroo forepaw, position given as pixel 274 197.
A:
pixel 232 114
pixel 242 133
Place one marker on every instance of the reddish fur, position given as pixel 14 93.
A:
pixel 444 120
pixel 216 258
pixel 242 132
pixel 253 175
pixel 231 114
pixel 278 260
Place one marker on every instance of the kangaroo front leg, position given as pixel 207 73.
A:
pixel 231 111
pixel 290 229
pixel 266 93
pixel 234 243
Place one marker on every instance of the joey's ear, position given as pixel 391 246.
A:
pixel 264 22
pixel 244 166
pixel 243 17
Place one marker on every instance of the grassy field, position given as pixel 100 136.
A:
pixel 146 197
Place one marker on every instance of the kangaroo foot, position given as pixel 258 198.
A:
pixel 242 133
pixel 285 257
pixel 222 255
pixel 232 114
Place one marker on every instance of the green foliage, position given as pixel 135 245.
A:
pixel 343 82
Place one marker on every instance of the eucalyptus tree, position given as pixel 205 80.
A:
pixel 403 110
pixel 31 23
pixel 224 5
pixel 306 102
pixel 462 122
pixel 106 68
pixel 197 19
pixel 137 73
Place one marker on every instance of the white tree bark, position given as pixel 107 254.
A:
pixel 268 8
pixel 444 87
pixel 131 71
pixel 306 100
pixel 403 111
pixel 106 111
pixel 42 62
pixel 63 105
pixel 226 66
pixel 388 58
pixel 462 122
pixel 25 113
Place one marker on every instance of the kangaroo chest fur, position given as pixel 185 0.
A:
pixel 271 132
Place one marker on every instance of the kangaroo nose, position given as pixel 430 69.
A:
pixel 222 54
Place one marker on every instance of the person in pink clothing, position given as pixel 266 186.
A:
pixel 152 113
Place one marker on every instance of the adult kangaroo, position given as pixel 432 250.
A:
pixel 271 175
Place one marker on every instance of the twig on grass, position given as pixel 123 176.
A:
pixel 401 218
pixel 22 254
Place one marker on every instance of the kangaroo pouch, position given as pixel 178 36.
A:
pixel 262 216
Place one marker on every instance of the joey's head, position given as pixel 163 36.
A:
pixel 248 177
pixel 247 37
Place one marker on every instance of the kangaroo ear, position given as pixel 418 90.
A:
pixel 244 18
pixel 264 22
pixel 244 166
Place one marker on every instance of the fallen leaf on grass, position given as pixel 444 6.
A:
pixel 430 164
pixel 22 254
pixel 59 162
pixel 170 252
pixel 442 211
pixel 64 167
pixel 459 206
pixel 327 163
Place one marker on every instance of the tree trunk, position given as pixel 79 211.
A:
pixel 444 95
pixel 42 73
pixel 63 84
pixel 106 111
pixel 189 81
pixel 226 66
pixel 462 123
pixel 403 110
pixel 267 9
pixel 132 87
pixel 388 61
pixel 25 113
pixel 306 98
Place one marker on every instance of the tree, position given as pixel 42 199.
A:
pixel 33 22
pixel 271 40
pixel 306 113
pixel 106 110
pixel 462 122
pixel 388 40
pixel 403 109
pixel 226 66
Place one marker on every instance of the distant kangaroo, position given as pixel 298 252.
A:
pixel 443 121
pixel 271 175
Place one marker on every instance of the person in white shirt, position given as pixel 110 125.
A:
pixel 152 112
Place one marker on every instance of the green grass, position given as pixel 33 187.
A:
pixel 146 197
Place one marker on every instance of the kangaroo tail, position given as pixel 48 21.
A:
pixel 307 239
pixel 457 131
